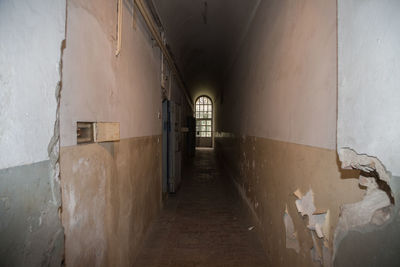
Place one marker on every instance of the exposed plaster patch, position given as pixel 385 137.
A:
pixel 316 253
pixel 317 221
pixel 53 147
pixel 71 206
pixel 291 234
pixel 53 150
pixel 375 207
pixel 319 225
pixel 326 256
pixel 351 160
pixel 77 166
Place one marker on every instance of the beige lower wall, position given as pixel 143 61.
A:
pixel 267 173
pixel 110 194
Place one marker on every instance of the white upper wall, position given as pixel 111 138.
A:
pixel 97 85
pixel 31 33
pixel 283 84
pixel 369 79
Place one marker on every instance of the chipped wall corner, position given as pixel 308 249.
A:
pixel 376 208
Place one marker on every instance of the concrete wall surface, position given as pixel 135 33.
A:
pixel 30 228
pixel 111 194
pixel 369 78
pixel 31 34
pixel 111 191
pixel 368 124
pixel 278 121
pixel 267 173
pixel 279 129
pixel 284 85
pixel 100 86
pixel 373 245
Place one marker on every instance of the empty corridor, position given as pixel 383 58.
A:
pixel 205 224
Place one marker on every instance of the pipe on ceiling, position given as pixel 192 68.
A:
pixel 153 29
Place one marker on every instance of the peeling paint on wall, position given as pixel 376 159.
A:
pixel 368 111
pixel 268 188
pixel 352 160
pixel 375 207
pixel 291 234
pixel 317 221
pixel 316 252
pixel 319 225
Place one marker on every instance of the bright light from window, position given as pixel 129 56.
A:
pixel 203 117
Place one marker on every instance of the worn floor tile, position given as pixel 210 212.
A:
pixel 204 224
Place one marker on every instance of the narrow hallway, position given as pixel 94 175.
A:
pixel 205 224
pixel 199 133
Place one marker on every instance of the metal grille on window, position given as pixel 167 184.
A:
pixel 203 117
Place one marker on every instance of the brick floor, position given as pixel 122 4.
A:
pixel 204 224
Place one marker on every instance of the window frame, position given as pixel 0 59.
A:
pixel 204 117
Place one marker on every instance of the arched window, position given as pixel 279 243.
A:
pixel 204 116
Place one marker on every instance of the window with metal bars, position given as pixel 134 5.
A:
pixel 203 117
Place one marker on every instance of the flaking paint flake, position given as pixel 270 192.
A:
pixel 374 208
pixel 291 234
pixel 318 224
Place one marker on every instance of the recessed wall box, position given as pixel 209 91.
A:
pixel 84 132
pixel 97 132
